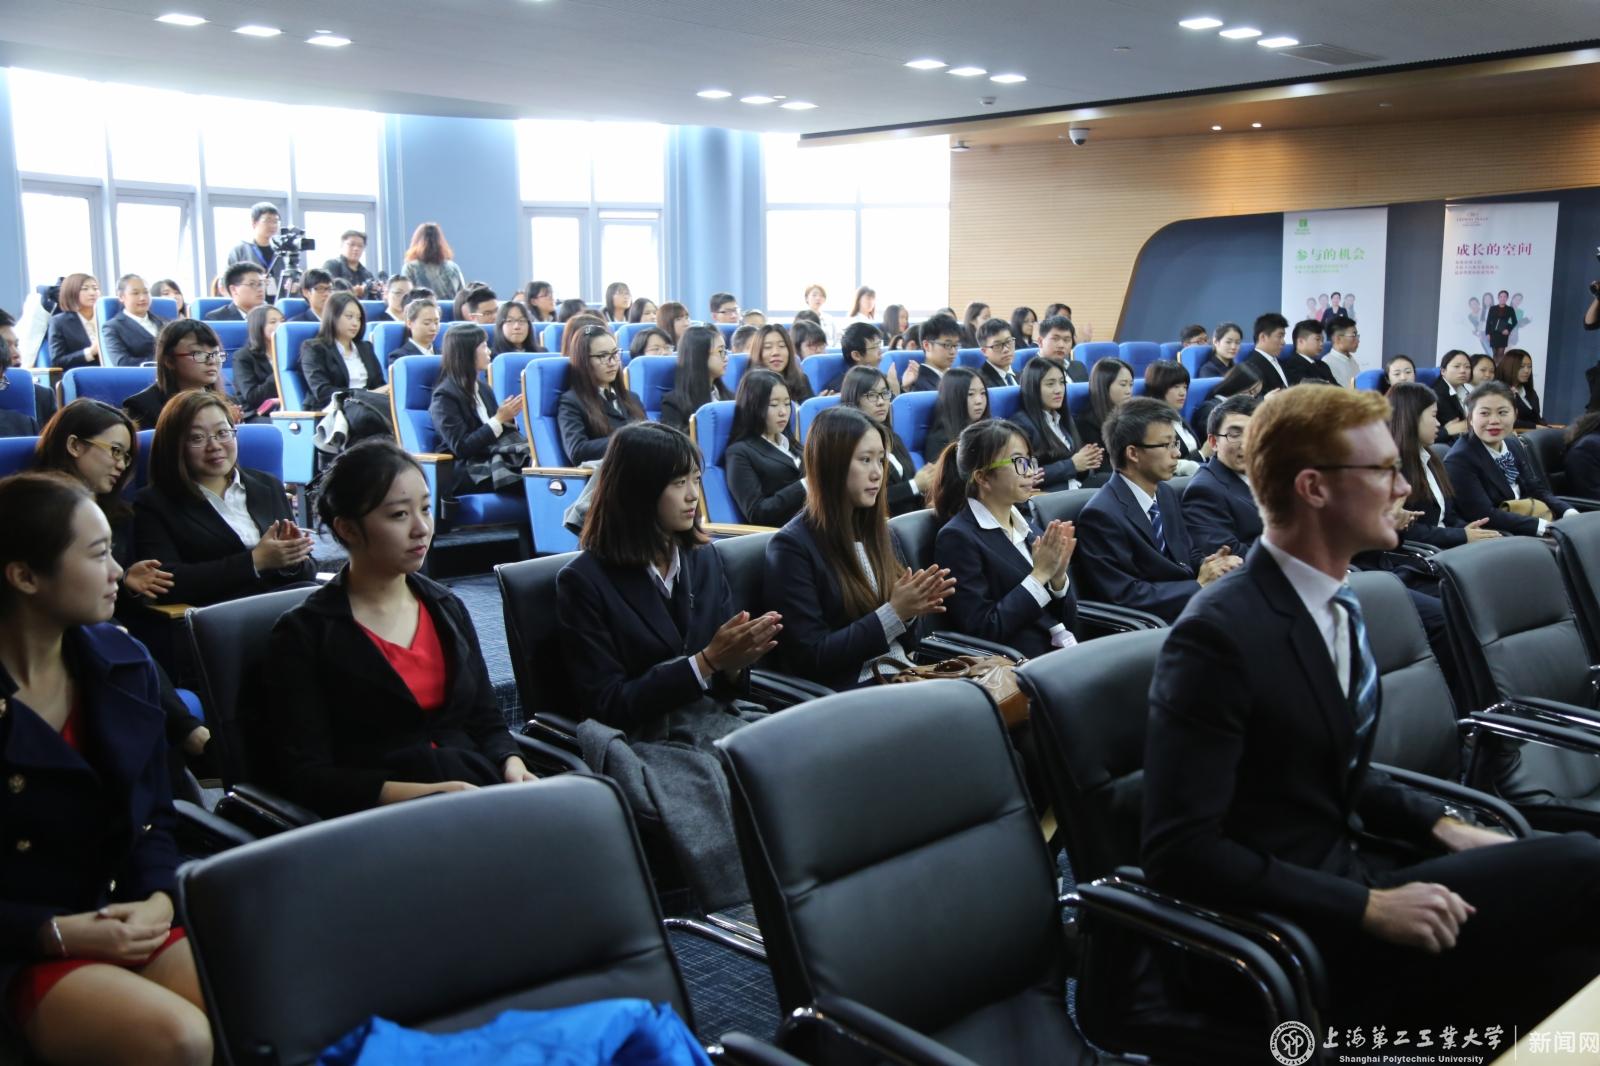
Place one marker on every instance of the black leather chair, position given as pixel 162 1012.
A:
pixel 1549 448
pixel 1579 542
pixel 922 912
pixel 437 914
pixel 1095 617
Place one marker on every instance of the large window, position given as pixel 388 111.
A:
pixel 59 231
pixel 848 215
pixel 592 195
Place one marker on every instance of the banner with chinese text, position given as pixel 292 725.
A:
pixel 1494 279
pixel 1333 264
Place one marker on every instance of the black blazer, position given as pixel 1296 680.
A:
pixel 1527 407
pixel 342 722
pixel 1250 798
pixel 628 646
pixel 576 440
pixel 1450 409
pixel 1498 323
pixel 1267 369
pixel 1076 371
pixel 1444 529
pixel 325 373
pixel 1582 465
pixel 904 496
pixel 934 444
pixel 305 316
pixel 989 601
pixel 992 377
pixel 254 379
pixel 226 313
pixel 1481 488
pixel 128 343
pixel 410 347
pixel 1298 369
pixel 144 406
pixel 1213 367
pixel 819 641
pixel 68 340
pixel 767 488
pixel 461 432
pixel 83 831
pixel 1117 559
pixel 17 424
pixel 208 562
pixel 44 404
pixel 676 413
pixel 928 380
pixel 1220 509
pixel 1058 473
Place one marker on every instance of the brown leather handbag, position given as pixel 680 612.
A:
pixel 1530 507
pixel 996 673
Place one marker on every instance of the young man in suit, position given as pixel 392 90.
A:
pixel 247 288
pixel 317 285
pixel 1306 362
pixel 1057 338
pixel 999 349
pixel 1133 544
pixel 724 307
pixel 1489 466
pixel 1258 790
pixel 1269 331
pixel 1218 505
pixel 941 339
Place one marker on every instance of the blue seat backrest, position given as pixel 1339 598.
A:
pixel 292 383
pixel 1005 401
pixel 505 377
pixel 1138 386
pixel 971 358
pixel 1427 375
pixel 292 305
pixel 16 454
pixel 626 331
pixel 412 378
pixel 18 393
pixel 894 363
pixel 552 336
pixel 108 307
pixel 1369 379
pixel 1246 350
pixel 1023 357
pixel 712 425
pixel 373 308
pixel 912 411
pixel 201 306
pixel 1078 398
pixel 260 448
pixel 651 377
pixel 1200 390
pixel 109 384
pixel 1170 350
pixel 543 381
pixel 1193 357
pixel 811 409
pixel 385 337
pixel 727 330
pixel 447 310
pixel 233 335
pixel 821 368
pixel 1139 354
pixel 738 363
pixel 438 338
pixel 1089 352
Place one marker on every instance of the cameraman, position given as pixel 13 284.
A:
pixel 349 267
pixel 258 249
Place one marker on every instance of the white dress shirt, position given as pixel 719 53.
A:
pixel 353 365
pixel 1017 531
pixel 783 447
pixel 233 508
pixel 499 427
pixel 149 326
pixel 1277 367
pixel 1052 425
pixel 1433 483
pixel 665 584
pixel 893 627
pixel 1316 591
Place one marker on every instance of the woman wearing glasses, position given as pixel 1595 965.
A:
pixel 188 356
pixel 867 390
pixel 221 530
pixel 595 404
pixel 1011 576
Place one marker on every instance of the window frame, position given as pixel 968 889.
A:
pixel 88 189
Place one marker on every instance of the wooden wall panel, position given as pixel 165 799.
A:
pixel 1032 224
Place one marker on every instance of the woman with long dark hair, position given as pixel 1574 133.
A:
pixel 963 400
pixel 1414 424
pixel 430 262
pixel 702 358
pixel 340 358
pixel 1241 379
pixel 188 356
pixel 976 315
pixel 867 390
pixel 763 458
pixel 617 301
pixel 1514 370
pixel 1110 386
pixel 475 429
pixel 1065 460
pixel 1582 460
pixel 1399 368
pixel 539 297
pixel 595 404
pixel 1225 340
pixel 651 341
pixel 772 349
pixel 643 309
pixel 514 330
pixel 864 307
pixel 167 289
pixel 1025 327
pixel 255 377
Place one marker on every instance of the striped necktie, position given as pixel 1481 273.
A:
pixel 1363 693
pixel 1157 528
pixel 1508 465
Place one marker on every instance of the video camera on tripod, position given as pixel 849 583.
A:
pixel 288 244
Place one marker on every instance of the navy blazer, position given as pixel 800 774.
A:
pixel 342 722
pixel 128 343
pixel 820 641
pixel 767 488
pixel 455 418
pixel 1481 488
pixel 410 347
pixel 1058 473
pixel 1266 368
pixel 68 341
pixel 325 372
pixel 628 646
pixel 1220 509
pixel 1297 369
pixel 1117 560
pixel 989 601
pixel 144 406
pixel 226 313
pixel 992 377
pixel 580 444
pixel 254 379
pixel 17 424
pixel 1582 465
pixel 1442 529
pixel 1527 408
pixel 928 380
pixel 1450 410
pixel 1254 787
pixel 84 830
pixel 1214 367
pixel 208 562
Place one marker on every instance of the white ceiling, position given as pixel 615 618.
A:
pixel 645 59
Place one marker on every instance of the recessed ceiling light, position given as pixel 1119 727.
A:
pixel 926 64
pixel 1204 22
pixel 713 94
pixel 755 99
pixel 1009 79
pixel 798 105
pixel 258 31
pixel 1240 33
pixel 968 72
pixel 328 40
pixel 1277 42
pixel 175 19
pixel 1216 129
pixel 1122 48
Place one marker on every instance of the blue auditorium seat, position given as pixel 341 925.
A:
pixel 1005 401
pixel 1139 354
pixel 447 310
pixel 552 336
pixel 552 484
pixel 727 330
pixel 711 426
pixel 1023 357
pixel 18 393
pixel 1427 375
pixel 651 377
pixel 971 358
pixel 1246 350
pixel 438 338
pixel 373 308
pixel 505 378
pixel 912 412
pixel 201 306
pixel 1078 398
pixel 1193 357
pixel 1200 390
pixel 1170 350
pixel 292 305
pixel 821 368
pixel 738 363
pixel 297 424
pixel 110 384
pixel 810 410
pixel 16 454
pixel 385 337
pixel 1089 352
pixel 260 448
pixel 1368 379
pixel 626 331
pixel 232 336
pixel 291 381
pixel 893 364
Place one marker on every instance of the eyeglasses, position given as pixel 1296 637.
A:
pixel 205 358
pixel 118 453
pixel 872 349
pixel 256 284
pixel 1172 445
pixel 948 346
pixel 200 440
pixel 1392 469
pixel 1002 346
pixel 1022 464
pixel 877 395
pixel 613 356
pixel 1234 434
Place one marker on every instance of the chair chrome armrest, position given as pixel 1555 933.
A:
pixel 1418 548
pixel 1535 729
pixel 553 728
pixel 202 833
pixel 733 529
pixel 1554 712
pixel 838 1018
pixel 548 757
pixel 278 416
pixel 947 643
pixel 559 471
pixel 261 812
pixel 1488 808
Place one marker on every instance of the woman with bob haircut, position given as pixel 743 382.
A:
pixel 834 572
pixel 702 359
pixel 643 309
pixel 766 472
pixel 595 405
pixel 73 336
pixel 188 356
pixel 672 318
pixel 513 330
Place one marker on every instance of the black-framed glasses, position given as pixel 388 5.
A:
pixel 1002 346
pixel 1173 445
pixel 877 395
pixel 614 355
pixel 1234 434
pixel 205 358
pixel 949 346
pixel 1392 469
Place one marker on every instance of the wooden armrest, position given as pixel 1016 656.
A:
pixel 174 611
pixel 294 414
pixel 558 471
pixel 52 371
pixel 733 529
pixel 433 457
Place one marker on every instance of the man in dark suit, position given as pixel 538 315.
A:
pixel 1263 711
pixel 1057 338
pixel 317 285
pixel 1306 361
pixel 1134 547
pixel 1218 504
pixel 941 339
pixel 999 349
pixel 247 288
pixel 1270 330
pixel 1488 466
pixel 130 336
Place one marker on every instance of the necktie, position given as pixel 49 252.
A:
pixel 1011 379
pixel 1363 693
pixel 1156 527
pixel 1508 466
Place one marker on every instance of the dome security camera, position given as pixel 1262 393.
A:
pixel 1079 136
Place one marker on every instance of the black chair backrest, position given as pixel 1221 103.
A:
pixel 1180 483
pixel 1061 506
pixel 436 914
pixel 1439 451
pixel 1417 729
pixel 1549 450
pixel 917 530
pixel 1579 540
pixel 744 563
pixel 533 633
pixel 892 854
pixel 230 644
pixel 1089 705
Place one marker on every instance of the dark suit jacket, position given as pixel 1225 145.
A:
pixel 1220 509
pixel 208 562
pixel 17 424
pixel 144 406
pixel 937 440
pixel 820 641
pixel 1249 794
pixel 904 496
pixel 68 340
pixel 1527 408
pixel 455 419
pixel 1481 488
pixel 628 646
pixel 768 488
pixel 305 316
pixel 1213 367
pixel 1582 465
pixel 927 380
pixel 410 347
pixel 991 377
pixel 325 371
pixel 254 379
pixel 44 404
pixel 1076 371
pixel 1298 369
pixel 576 439
pixel 226 313
pixel 1058 473
pixel 342 722
pixel 989 601
pixel 98 826
pixel 1442 530
pixel 1117 559
pixel 676 412
pixel 1450 409
pixel 128 343
pixel 1266 368
pixel 1498 324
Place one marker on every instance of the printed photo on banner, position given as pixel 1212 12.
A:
pixel 1333 267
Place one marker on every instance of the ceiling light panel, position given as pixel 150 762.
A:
pixel 968 72
pixel 926 64
pixel 1277 42
pixel 1203 22
pixel 1240 33
pixel 258 31
pixel 176 19
pixel 1008 79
